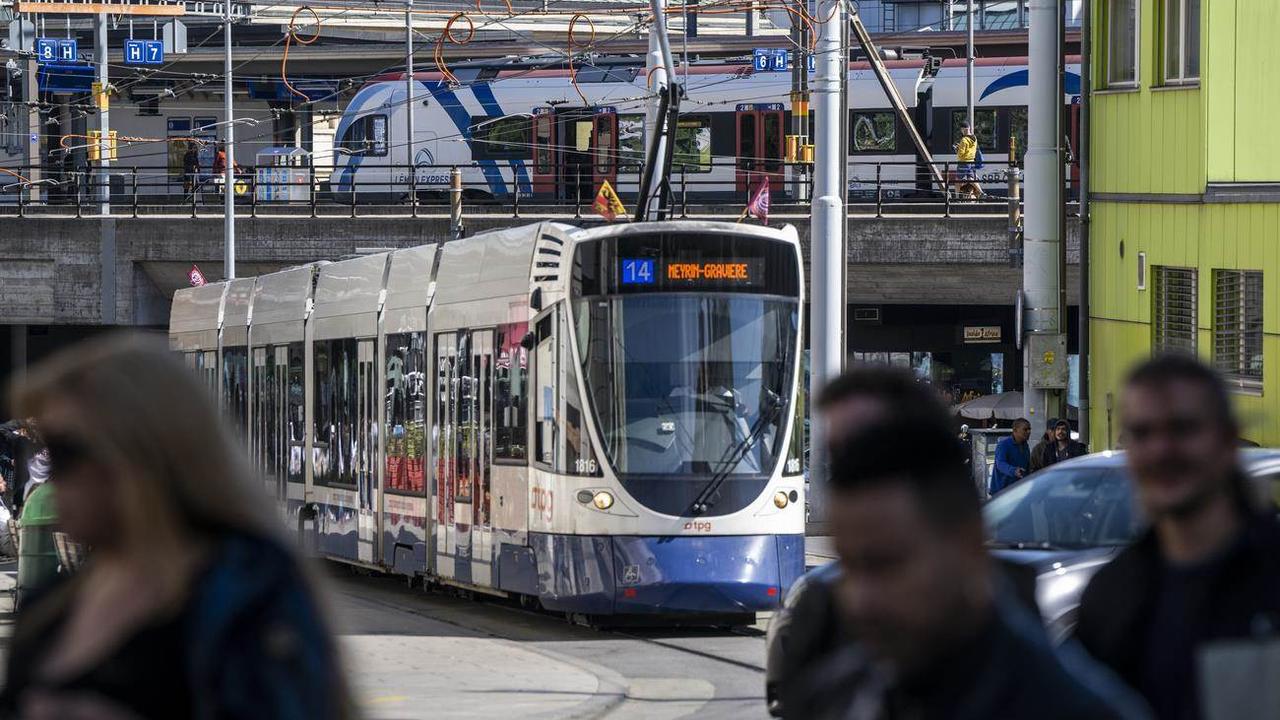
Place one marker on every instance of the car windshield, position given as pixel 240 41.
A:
pixel 1068 508
pixel 680 380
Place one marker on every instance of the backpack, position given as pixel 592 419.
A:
pixel 977 158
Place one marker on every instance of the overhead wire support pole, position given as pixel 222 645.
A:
pixel 968 71
pixel 891 92
pixel 408 104
pixel 826 222
pixel 104 112
pixel 229 181
pixel 655 187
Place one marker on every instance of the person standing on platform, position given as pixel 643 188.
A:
pixel 1013 457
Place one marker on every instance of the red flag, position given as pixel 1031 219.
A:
pixel 758 206
pixel 195 276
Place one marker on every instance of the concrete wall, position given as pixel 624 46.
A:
pixel 123 271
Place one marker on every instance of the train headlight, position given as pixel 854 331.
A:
pixel 780 499
pixel 602 500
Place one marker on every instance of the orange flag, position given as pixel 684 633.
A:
pixel 608 205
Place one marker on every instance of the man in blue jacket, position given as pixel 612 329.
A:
pixel 1013 457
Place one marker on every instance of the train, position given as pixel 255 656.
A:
pixel 601 421
pixel 556 133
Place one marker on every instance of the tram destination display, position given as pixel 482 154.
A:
pixel 691 273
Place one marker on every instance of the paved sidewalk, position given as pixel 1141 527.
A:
pixel 818 550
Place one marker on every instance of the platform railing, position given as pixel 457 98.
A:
pixel 719 187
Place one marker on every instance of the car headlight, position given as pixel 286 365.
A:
pixel 602 500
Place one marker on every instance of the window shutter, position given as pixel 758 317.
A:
pixel 1173 316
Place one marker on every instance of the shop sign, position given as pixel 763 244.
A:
pixel 982 333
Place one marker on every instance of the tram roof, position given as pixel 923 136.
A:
pixel 282 296
pixel 348 287
pixel 196 308
pixel 489 265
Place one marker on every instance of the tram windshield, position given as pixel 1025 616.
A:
pixel 688 345
pixel 689 384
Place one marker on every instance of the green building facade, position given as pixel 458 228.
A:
pixel 1185 192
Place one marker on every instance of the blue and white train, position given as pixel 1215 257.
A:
pixel 602 420
pixel 514 127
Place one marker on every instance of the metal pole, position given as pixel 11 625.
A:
pixel 31 146
pixel 104 114
pixel 827 219
pixel 1082 152
pixel 1043 191
pixel 229 181
pixel 408 102
pixel 968 71
pixel 455 202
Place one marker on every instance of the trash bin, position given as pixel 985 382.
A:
pixel 37 555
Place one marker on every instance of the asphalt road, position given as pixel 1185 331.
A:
pixel 414 654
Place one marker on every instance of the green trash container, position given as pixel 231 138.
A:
pixel 37 555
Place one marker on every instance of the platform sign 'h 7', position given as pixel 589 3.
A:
pixel 143 52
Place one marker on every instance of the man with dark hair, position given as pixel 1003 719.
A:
pixel 807 627
pixel 1037 450
pixel 1013 457
pixel 1206 575
pixel 936 633
pixel 1060 446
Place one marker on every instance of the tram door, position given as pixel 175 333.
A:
pixel 366 449
pixel 278 445
pixel 760 142
pixel 480 413
pixel 544 151
pixel 261 418
pixel 444 433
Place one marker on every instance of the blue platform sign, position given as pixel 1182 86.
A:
pixel 143 52
pixel 56 50
pixel 760 59
pixel 771 59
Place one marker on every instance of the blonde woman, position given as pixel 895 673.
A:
pixel 189 606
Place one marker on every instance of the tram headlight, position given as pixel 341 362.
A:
pixel 780 499
pixel 602 500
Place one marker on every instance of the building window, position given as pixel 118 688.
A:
pixel 1237 326
pixel 1173 310
pixel 1122 43
pixel 1181 41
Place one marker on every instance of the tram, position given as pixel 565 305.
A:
pixel 603 420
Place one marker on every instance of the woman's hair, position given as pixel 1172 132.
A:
pixel 146 417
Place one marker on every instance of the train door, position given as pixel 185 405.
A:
pixel 760 141
pixel 544 151
pixel 444 433
pixel 366 449
pixel 481 415
pixel 604 147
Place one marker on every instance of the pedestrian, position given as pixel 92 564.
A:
pixel 1037 450
pixel 1013 457
pixel 807 628
pixel 1204 581
pixel 937 634
pixel 190 167
pixel 220 161
pixel 189 605
pixel 967 158
pixel 1060 447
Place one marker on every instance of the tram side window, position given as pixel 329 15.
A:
pixel 335 411
pixel 545 389
pixel 366 135
pixel 510 394
pixel 406 410
pixel 580 458
pixel 501 138
pixel 295 419
pixel 235 385
pixel 693 144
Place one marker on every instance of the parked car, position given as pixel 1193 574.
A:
pixel 1065 522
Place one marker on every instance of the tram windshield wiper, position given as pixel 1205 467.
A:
pixel 768 413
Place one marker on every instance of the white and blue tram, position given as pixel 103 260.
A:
pixel 600 419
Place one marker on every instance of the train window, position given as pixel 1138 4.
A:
pixel 293 375
pixel 772 140
pixel 481 431
pixel 747 140
pixel 606 143
pixel 510 394
pixel 235 385
pixel 873 132
pixel 631 142
pixel 542 157
pixel 693 144
pixel 446 425
pixel 501 137
pixel 464 416
pixel 263 435
pixel 406 409
pixel 366 135
pixel 985 130
pixel 1018 132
